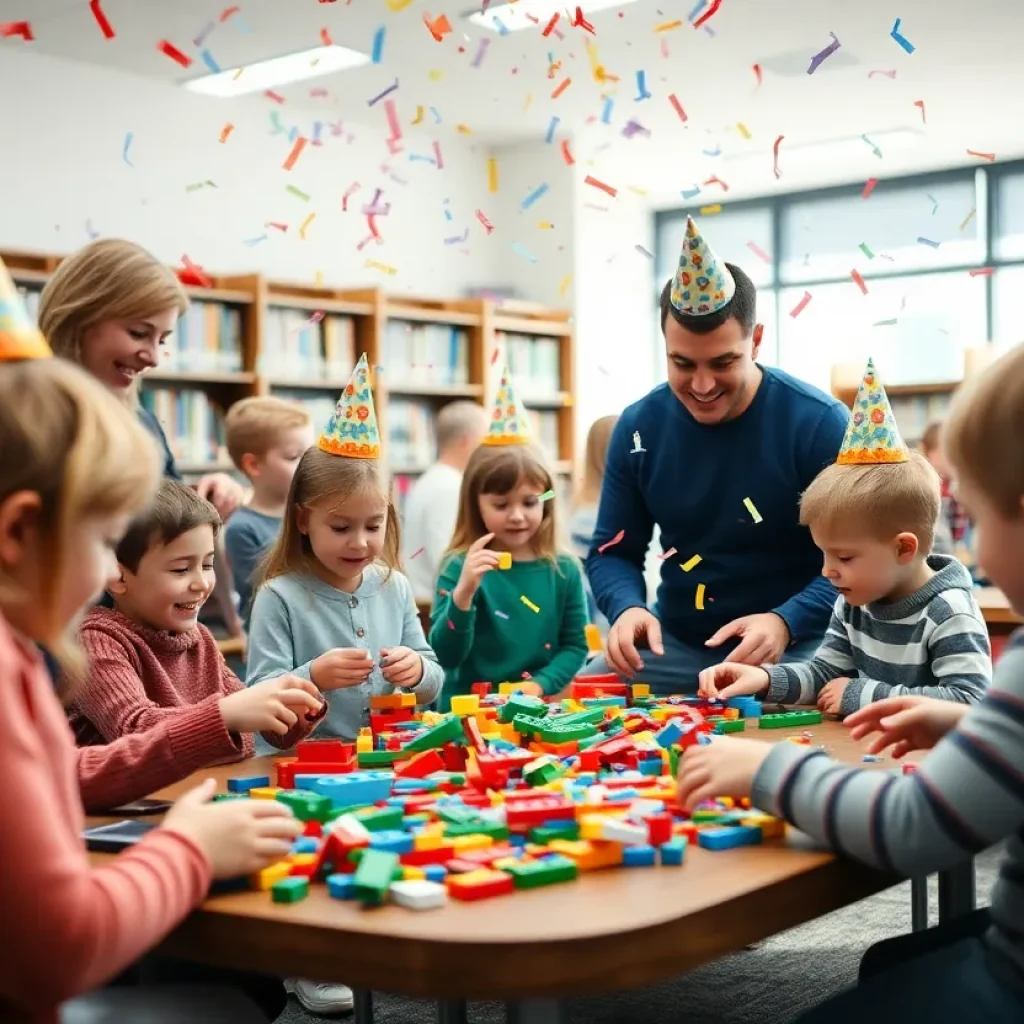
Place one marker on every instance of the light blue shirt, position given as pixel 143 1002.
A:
pixel 296 618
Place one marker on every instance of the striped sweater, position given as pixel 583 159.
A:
pixel 965 796
pixel 933 643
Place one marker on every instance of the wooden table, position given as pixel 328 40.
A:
pixel 999 616
pixel 609 930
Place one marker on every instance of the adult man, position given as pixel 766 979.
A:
pixel 433 502
pixel 727 448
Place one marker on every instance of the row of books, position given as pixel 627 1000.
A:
pixel 193 424
pixel 208 339
pixel 426 354
pixel 298 345
pixel 533 362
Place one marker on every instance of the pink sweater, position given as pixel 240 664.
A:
pixel 141 678
pixel 77 926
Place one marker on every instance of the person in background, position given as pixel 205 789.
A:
pixel 265 438
pixel 585 501
pixel 433 502
pixel 952 534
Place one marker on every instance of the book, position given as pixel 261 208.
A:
pixel 299 346
pixel 533 361
pixel 426 354
pixel 193 424
pixel 207 339
pixel 412 434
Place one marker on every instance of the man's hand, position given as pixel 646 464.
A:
pixel 764 638
pixel 223 492
pixel 720 682
pixel 632 625
pixel 830 697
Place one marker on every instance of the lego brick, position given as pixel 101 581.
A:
pixel 270 875
pixel 325 751
pixel 305 844
pixel 389 701
pixel 379 819
pixel 790 719
pixel 465 704
pixel 374 875
pixel 306 806
pixel 243 783
pixel 479 885
pixel 659 829
pixel 219 797
pixel 673 852
pixel 728 837
pixel 727 725
pixel 543 834
pixel 418 894
pixel 356 789
pixel 638 857
pixel 379 758
pixel 589 856
pixel 532 874
pixel 341 887
pixel 435 872
pixel 520 704
pixel 770 826
pixel 290 890
pixel 264 793
pixel 392 840
pixel 446 731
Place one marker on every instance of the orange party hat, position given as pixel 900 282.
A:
pixel 19 337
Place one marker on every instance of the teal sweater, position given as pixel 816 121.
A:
pixel 501 637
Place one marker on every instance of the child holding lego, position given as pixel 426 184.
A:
pixel 74 466
pixel 526 622
pixel 966 794
pixel 905 622
pixel 265 438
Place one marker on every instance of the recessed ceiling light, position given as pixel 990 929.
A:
pixel 266 74
pixel 520 14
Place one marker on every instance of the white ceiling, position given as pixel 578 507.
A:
pixel 966 69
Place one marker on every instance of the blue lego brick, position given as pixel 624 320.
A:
pixel 435 873
pixel 651 767
pixel 516 840
pixel 413 822
pixel 703 739
pixel 671 732
pixel 414 785
pixel 603 702
pixel 638 856
pixel 354 789
pixel 342 887
pixel 393 840
pixel 747 706
pixel 727 837
pixel 305 844
pixel 246 782
pixel 673 852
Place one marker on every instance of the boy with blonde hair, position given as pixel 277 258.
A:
pixel 266 437
pixel 905 622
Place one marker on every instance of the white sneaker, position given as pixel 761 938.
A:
pixel 320 997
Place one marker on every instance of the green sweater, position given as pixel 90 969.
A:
pixel 501 637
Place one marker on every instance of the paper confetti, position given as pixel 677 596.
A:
pixel 869 187
pixel 10 29
pixel 668 26
pixel 800 306
pixel 391 112
pixel 579 21
pixel 277 98
pixel 552 125
pixel 101 19
pixel 481 51
pixel 457 239
pixel 867 252
pixel 902 40
pixel 170 50
pixel 775 154
pixel 492 174
pixel 887 74
pixel 859 281
pixel 677 107
pixel 759 75
pixel 211 64
pixel 759 252
pixel 920 103
pixel 563 285
pixel 521 250
pixel 225 132
pixel 611 543
pixel 529 604
pixel 562 86
pixel 304 225
pixel 439 27
pixel 935 203
pixel 823 55
pixel 667 554
pixel 566 153
pixel 438 159
pixel 709 13
pixel 641 87
pixel 488 226
pixel 549 28
pixel 744 130
pixel 418 551
pixel 383 267
pixel 501 615
pixel 298 193
pixel 690 563
pixel 300 145
pixel 754 514
pixel 929 243
pixel 546 496
pixel 533 196
pixel 378 45
pixel 690 193
pixel 381 95
pixel 643 252
pixel 128 138
pixel 967 220
pixel 710 211
pixel 982 156
pixel 698 599
pixel 874 148
pixel 980 272
pixel 613 192
pixel 606 112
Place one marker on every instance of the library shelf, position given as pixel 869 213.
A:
pixel 197 378
pixel 335 385
pixel 435 390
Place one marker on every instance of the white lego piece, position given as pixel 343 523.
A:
pixel 418 894
pixel 353 828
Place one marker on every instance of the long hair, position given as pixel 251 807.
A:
pixel 64 437
pixel 327 480
pixel 598 438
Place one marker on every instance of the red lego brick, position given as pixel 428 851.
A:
pixel 482 886
pixel 525 814
pixel 471 729
pixel 284 772
pixel 325 751
pixel 420 765
pixel 417 858
pixel 481 689
pixel 313 828
pixel 659 829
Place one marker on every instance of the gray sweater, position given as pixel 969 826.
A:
pixel 296 618
pixel 965 796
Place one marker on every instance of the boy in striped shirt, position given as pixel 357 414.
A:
pixel 965 796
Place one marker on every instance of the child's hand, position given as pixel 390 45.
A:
pixel 271 706
pixel 478 561
pixel 341 667
pixel 238 836
pixel 905 723
pixel 830 696
pixel 530 688
pixel 723 767
pixel 401 666
pixel 730 679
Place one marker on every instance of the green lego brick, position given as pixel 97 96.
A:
pixel 543 834
pixel 594 717
pixel 379 819
pixel 496 829
pixel 790 719
pixel 290 890
pixel 673 760
pixel 730 725
pixel 306 806
pixel 542 774
pixel 522 704
pixel 230 796
pixel 555 731
pixel 601 702
pixel 706 817
pixel 456 814
pixel 531 874
pixel 529 725
pixel 374 875
pixel 379 758
pixel 444 732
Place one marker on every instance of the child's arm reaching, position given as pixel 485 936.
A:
pixel 571 652
pixel 429 684
pixel 451 627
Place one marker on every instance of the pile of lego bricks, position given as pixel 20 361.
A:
pixel 505 792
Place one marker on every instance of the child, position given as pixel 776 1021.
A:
pixel 152 660
pixel 524 624
pixel 266 438
pixel 964 797
pixel 904 621
pixel 584 513
pixel 74 465
pixel 954 526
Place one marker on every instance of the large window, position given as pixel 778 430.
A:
pixel 889 276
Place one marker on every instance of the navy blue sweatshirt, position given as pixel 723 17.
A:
pixel 692 481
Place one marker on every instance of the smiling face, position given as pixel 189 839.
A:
pixel 345 538
pixel 514 518
pixel 117 351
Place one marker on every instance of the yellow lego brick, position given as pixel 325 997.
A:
pixel 302 858
pixel 264 792
pixel 433 828
pixel 266 879
pixel 731 714
pixel 476 841
pixel 593 635
pixel 589 856
pixel 364 744
pixel 659 714
pixel 508 687
pixel 770 826
pixel 591 827
pixel 505 862
pixel 429 842
pixel 726 801
pixel 464 704
pixel 365 730
pixel 504 559
pixel 411 874
pixel 496 798
pixel 641 690
pixel 643 737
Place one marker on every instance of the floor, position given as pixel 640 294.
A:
pixel 769 984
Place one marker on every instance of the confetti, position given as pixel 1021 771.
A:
pixel 378 45
pixel 606 113
pixel 196 186
pixel 744 130
pixel 381 95
pixel 451 625
pixel 759 75
pixel 690 563
pixel 533 197
pixel 667 554
pixel 869 187
pixel 714 180
pixel 549 28
pixel 488 226
pixel 529 604
pixel 128 139
pixel 227 12
pixel 641 87
pixel 823 55
pixel 920 103
pixel 419 116
pixel 887 74
pixel 400 5
pixel 885 323
pixel 524 252
pixel 562 86
pixel 353 188
pixel 708 14
pixel 752 509
pixel 668 26
pixel 967 220
pixel 418 551
pixel 874 148
pixel 277 98
pixel 298 193
pixel 710 211
pixel 457 239
pixel 546 496
pixel 439 27
pixel 690 193
pixel 226 131
pixel 101 20
pixel 17 28
pixel 255 241
pixel 550 137
pixel 982 156
pixel 501 615
pixel 170 50
pixel 775 154
pixel 859 281
pixel 325 37
pixel 867 252
pixel 800 306
pixel 481 51
pixel 563 285
pixel 643 252
pixel 677 107
pixel 698 599
pixel 207 59
pixel 928 242
pixel 902 40
pixel 566 153
pixel 611 543
pixel 300 145
pixel 980 272
pixel 383 267
pixel 305 224
pixel 391 112
pixel 579 21
pixel 492 174
pixel 438 159
pixel 759 252
pixel 588 180
pixel 276 224
pixel 935 203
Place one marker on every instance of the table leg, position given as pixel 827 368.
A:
pixel 537 1011
pixel 956 892
pixel 452 1011
pixel 919 903
pixel 362 1005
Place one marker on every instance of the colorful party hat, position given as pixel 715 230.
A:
pixel 872 438
pixel 508 421
pixel 353 431
pixel 702 283
pixel 19 338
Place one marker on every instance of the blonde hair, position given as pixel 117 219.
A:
pixel 254 425
pixel 598 438
pixel 323 479
pixel 500 470
pixel 110 279
pixel 64 437
pixel 982 437
pixel 881 500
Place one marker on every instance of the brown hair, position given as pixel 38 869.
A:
pixel 932 437
pixel 174 511
pixel 66 438
pixel 598 438
pixel 324 479
pixel 499 470
pixel 254 425
pixel 881 499
pixel 982 439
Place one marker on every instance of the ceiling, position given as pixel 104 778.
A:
pixel 966 70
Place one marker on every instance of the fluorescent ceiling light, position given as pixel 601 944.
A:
pixel 267 74
pixel 512 17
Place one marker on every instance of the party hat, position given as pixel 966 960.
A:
pixel 508 421
pixel 352 430
pixel 19 339
pixel 702 283
pixel 872 436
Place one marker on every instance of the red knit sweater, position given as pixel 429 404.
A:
pixel 141 679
